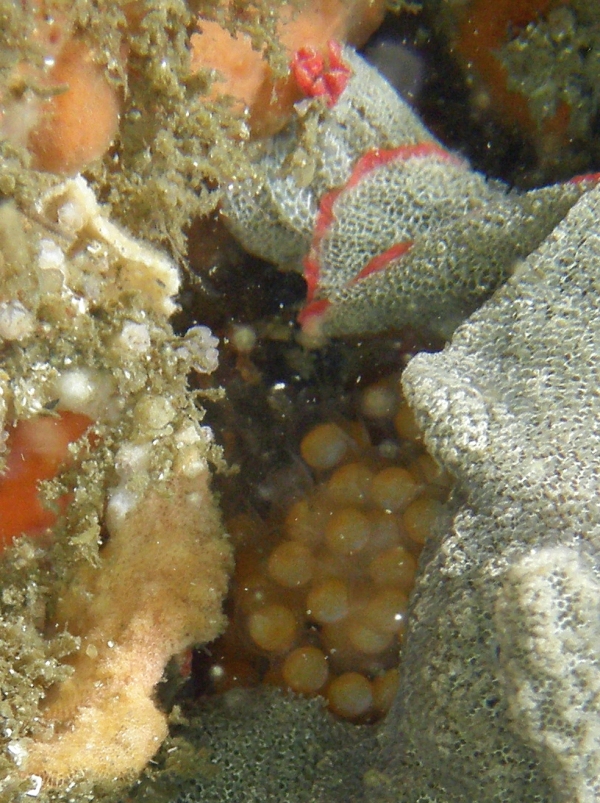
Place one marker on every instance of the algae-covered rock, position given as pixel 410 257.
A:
pixel 498 692
pixel 125 562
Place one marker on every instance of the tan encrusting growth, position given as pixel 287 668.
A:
pixel 158 590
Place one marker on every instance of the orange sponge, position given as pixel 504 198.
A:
pixel 37 447
pixel 76 125
pixel 483 29
pixel 244 73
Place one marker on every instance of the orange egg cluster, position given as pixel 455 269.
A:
pixel 321 591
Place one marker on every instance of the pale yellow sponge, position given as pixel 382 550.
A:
pixel 158 589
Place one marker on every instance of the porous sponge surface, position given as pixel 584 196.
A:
pixel 273 213
pixel 550 611
pixel 459 263
pixel 397 204
pixel 271 747
pixel 501 683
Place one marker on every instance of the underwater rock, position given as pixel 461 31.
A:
pixel 510 408
pixel 498 692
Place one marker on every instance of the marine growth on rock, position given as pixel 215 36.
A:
pixel 395 598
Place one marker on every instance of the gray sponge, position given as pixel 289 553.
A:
pixel 391 230
pixel 500 679
pixel 273 213
pixel 548 622
pixel 265 746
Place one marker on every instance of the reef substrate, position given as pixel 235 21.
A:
pixel 100 607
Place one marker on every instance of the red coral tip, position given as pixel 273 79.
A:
pixel 585 178
pixel 306 66
pixel 315 78
pixel 311 276
pixel 378 157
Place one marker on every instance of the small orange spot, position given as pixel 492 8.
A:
pixel 37 447
pixel 77 125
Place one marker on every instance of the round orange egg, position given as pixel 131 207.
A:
pixel 305 670
pixel 395 566
pixel 304 523
pixel 393 488
pixel 350 695
pixel 324 446
pixel 291 564
pixel 328 601
pixel 350 484
pixel 365 639
pixel 420 518
pixel 379 401
pixel 385 611
pixel 347 531
pixel 384 689
pixel 273 628
pixel 405 424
